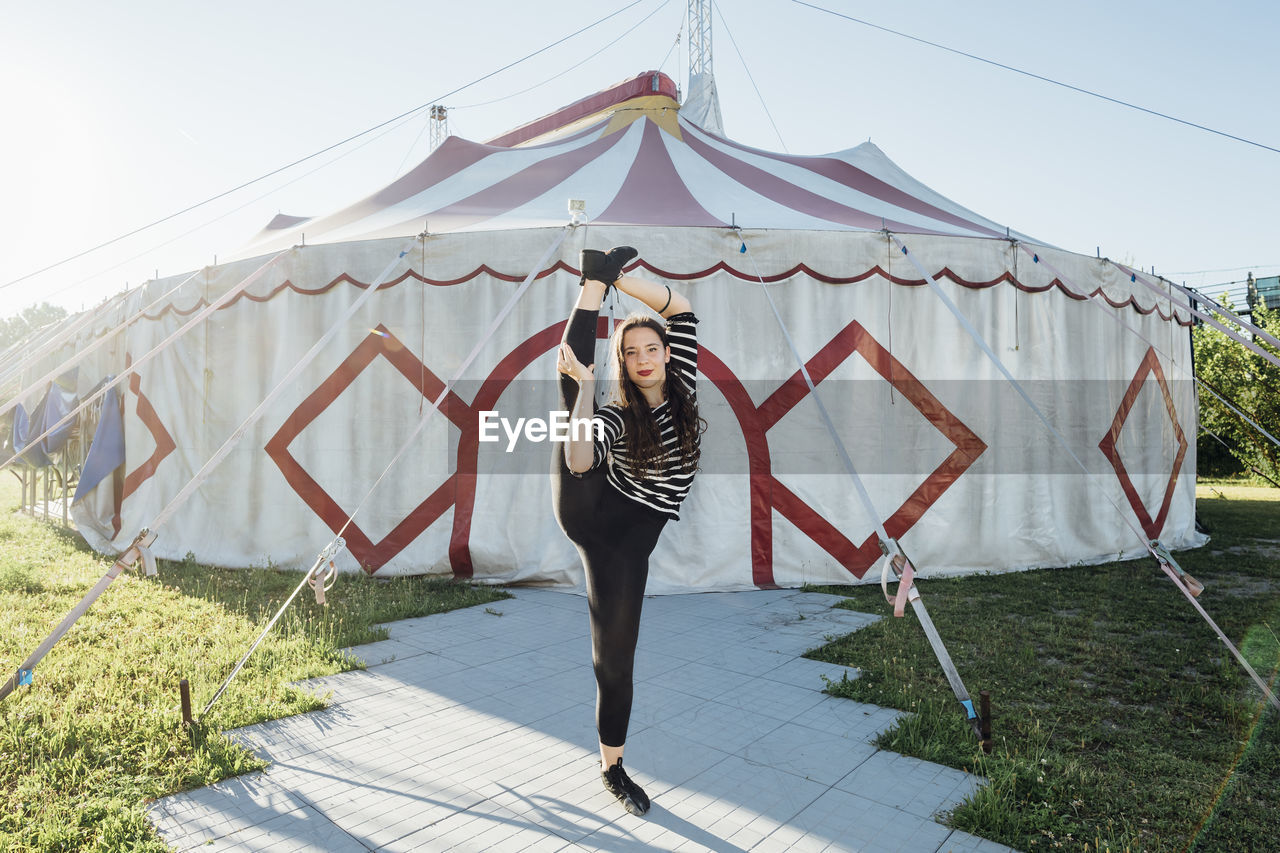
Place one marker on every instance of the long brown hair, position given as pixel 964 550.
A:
pixel 644 441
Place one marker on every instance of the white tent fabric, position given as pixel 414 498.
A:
pixel 960 470
pixel 702 106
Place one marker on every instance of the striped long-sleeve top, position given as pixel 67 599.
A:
pixel 663 490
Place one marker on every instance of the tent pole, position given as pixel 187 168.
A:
pixel 1186 584
pixel 315 574
pixel 896 559
pixel 66 474
pixel 199 317
pixel 102 340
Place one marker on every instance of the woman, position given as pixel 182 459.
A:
pixel 616 487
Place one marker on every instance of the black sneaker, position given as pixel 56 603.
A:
pixel 593 263
pixel 631 795
pixel 618 257
pixel 604 268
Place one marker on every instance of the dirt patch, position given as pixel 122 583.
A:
pixel 1267 548
pixel 1243 586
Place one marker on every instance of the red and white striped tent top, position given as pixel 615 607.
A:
pixel 661 172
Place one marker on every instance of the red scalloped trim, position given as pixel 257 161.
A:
pixel 484 269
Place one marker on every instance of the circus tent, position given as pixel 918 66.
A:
pixel 957 467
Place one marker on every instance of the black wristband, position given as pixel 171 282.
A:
pixel 668 304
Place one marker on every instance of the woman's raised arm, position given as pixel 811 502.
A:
pixel 659 297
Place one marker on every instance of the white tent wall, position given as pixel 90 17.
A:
pixel 960 468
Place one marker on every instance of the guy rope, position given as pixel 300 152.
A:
pixel 896 560
pixel 1186 584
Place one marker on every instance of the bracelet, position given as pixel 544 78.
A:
pixel 668 303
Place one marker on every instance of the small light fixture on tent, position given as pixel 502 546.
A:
pixel 577 210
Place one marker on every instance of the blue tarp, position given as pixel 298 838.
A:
pixel 22 431
pixel 107 451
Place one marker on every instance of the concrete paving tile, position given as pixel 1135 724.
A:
pixel 962 842
pixel 802 672
pixel 737 794
pixel 480 652
pixel 660 761
pixel 576 649
pixel 550 695
pixel 721 726
pixel 652 703
pixel 743 659
pixel 909 784
pixel 848 718
pixel 699 680
pixel 653 663
pixel 383 651
pixel 667 646
pixel 462 830
pixel 772 698
pixel 232 805
pixel 480 735
pixel 783 642
pixel 849 822
pixel 301 831
pixel 346 686
pixel 809 753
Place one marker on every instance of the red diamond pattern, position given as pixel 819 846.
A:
pixel 1150 365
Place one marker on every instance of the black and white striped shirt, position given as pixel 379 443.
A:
pixel 663 490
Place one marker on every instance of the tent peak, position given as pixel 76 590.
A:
pixel 586 110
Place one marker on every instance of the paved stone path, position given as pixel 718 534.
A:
pixel 474 730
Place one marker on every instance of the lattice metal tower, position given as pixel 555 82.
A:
pixel 439 120
pixel 701 103
pixel 699 38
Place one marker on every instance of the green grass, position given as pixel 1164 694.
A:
pixel 1121 722
pixel 99 732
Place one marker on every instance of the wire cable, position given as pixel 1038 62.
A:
pixel 571 67
pixel 674 45
pixel 1040 77
pixel 326 164
pixel 741 59
pixel 1226 269
pixel 324 150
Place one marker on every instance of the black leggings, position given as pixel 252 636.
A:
pixel 614 536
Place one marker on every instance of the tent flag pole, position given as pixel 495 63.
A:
pixel 158 348
pixel 896 559
pixel 81 355
pixel 1189 586
pixel 1115 315
pixel 329 553
pixel 1231 333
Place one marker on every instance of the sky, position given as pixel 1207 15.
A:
pixel 116 115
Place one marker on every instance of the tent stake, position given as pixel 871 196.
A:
pixel 184 691
pixel 984 699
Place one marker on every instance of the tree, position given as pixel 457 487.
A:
pixel 1252 384
pixel 17 327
